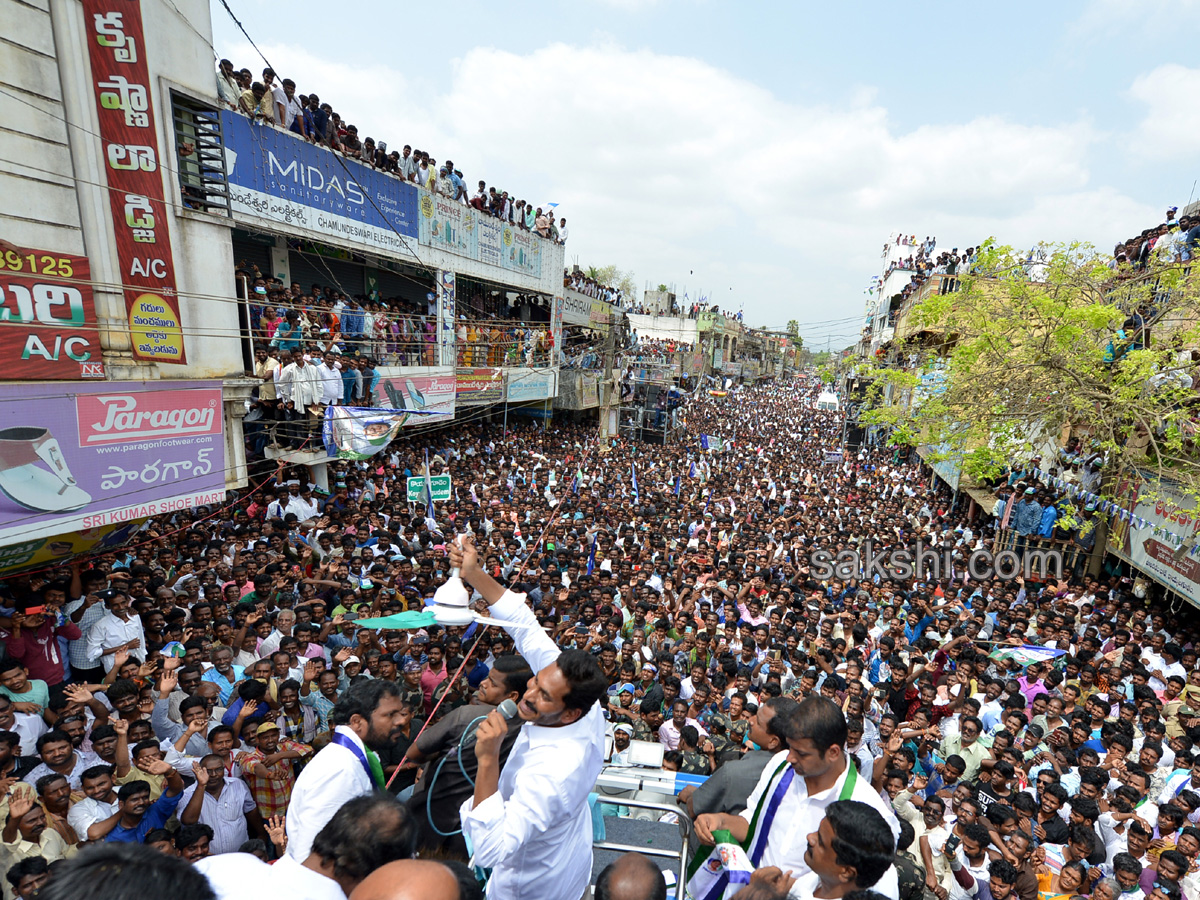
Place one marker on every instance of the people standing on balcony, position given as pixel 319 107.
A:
pixel 293 112
pixel 228 88
pixel 256 102
pixel 300 389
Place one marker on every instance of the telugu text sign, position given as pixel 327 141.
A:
pixel 278 177
pixel 47 317
pixel 129 136
pixel 86 455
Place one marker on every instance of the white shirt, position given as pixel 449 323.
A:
pixel 87 812
pixel 536 830
pixel 236 876
pixel 331 380
pixel 302 385
pixel 29 728
pixel 799 815
pixel 332 777
pixel 112 632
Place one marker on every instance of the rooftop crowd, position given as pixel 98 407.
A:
pixel 275 101
pixel 170 693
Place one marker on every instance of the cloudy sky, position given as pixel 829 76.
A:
pixel 761 153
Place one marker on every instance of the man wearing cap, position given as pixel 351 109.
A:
pixel 269 771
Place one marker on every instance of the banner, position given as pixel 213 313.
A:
pixel 446 304
pixel 40 552
pixel 530 384
pixel 110 453
pixel 521 251
pixel 490 240
pixel 428 393
pixel 354 432
pixel 589 394
pixel 478 387
pixel 448 225
pixel 47 317
pixel 1157 533
pixel 125 109
pixel 278 177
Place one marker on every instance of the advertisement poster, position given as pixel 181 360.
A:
pixel 86 455
pixel 421 393
pixel 278 177
pixel 521 251
pixel 47 317
pixel 530 384
pixel 43 551
pixel 478 387
pixel 125 108
pixel 448 225
pixel 1153 538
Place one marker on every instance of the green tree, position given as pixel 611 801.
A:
pixel 614 277
pixel 793 329
pixel 1024 355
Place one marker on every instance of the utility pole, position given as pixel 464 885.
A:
pixel 606 401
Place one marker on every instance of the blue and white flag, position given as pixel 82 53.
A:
pixel 692 470
pixel 633 471
pixel 591 564
pixel 678 482
pixel 430 518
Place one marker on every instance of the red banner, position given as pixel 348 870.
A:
pixel 125 105
pixel 47 317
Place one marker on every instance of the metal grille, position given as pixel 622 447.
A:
pixel 200 156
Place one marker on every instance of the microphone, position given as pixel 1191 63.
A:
pixel 508 709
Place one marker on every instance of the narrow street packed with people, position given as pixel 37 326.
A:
pixel 238 685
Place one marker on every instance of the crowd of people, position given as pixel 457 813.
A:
pixel 275 101
pixel 209 691
pixel 579 282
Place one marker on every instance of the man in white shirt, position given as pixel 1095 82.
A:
pixel 368 719
pixel 531 822
pixel 365 834
pixel 331 377
pixel 851 850
pixel 118 630
pixel 300 390
pixel 797 786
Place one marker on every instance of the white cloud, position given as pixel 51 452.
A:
pixel 665 164
pixel 1171 125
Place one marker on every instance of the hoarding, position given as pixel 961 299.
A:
pixel 430 393
pixel 129 135
pixel 84 455
pixel 47 317
pixel 478 387
pixel 278 177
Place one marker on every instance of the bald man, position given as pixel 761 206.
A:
pixel 632 877
pixel 418 879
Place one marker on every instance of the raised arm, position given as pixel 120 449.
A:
pixel 532 642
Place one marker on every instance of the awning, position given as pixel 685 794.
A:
pixel 984 497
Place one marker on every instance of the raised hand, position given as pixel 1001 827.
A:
pixel 277 832
pixel 120 726
pixel 249 708
pixel 200 772
pixel 77 693
pixel 19 805
pixel 158 767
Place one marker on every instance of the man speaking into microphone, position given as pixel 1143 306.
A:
pixel 529 822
